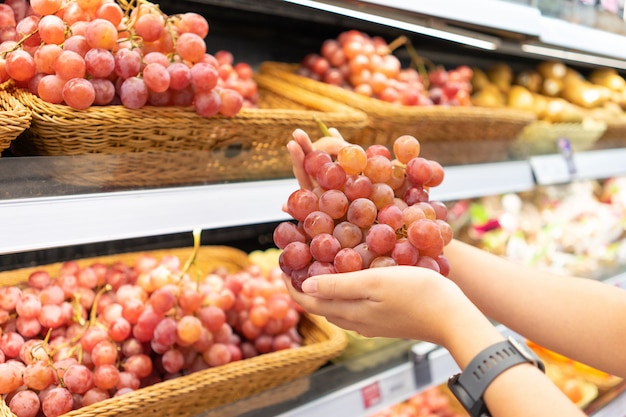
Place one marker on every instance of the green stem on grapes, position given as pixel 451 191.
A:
pixel 192 258
pixel 322 126
pixel 94 307
pixel 19 43
pixel 419 62
pixel 396 43
pixel 76 307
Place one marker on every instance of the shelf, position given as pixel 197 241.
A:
pixel 48 222
pixel 41 223
pixel 501 15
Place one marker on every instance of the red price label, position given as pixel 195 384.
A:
pixel 371 395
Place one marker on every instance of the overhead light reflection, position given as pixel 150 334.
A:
pixel 573 56
pixel 424 30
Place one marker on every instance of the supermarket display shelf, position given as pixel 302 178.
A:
pixel 48 222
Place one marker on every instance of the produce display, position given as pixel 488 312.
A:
pixel 94 332
pixel 555 92
pixel 100 52
pixel 365 64
pixel 577 229
pixel 581 383
pixel 432 402
pixel 367 210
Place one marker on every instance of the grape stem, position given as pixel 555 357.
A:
pixel 19 43
pixel 419 62
pixel 192 258
pixel 322 126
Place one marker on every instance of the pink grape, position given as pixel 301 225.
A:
pixel 296 255
pixel 331 175
pixel 134 93
pixel 207 103
pixel 334 203
pixel 287 232
pixel 301 203
pixel 190 47
pixel 318 222
pixel 78 93
pixel 180 75
pixel 362 212
pixel 348 260
pixel 314 160
pixel 156 77
pixel 348 234
pixel 56 402
pixel 324 247
pixel 419 171
pixel 20 65
pixel 357 186
pixel 99 62
pixel 381 238
pixel 10 378
pixel 232 102
pixel 101 33
pixel 25 403
pixel 78 378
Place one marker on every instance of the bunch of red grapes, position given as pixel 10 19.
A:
pixel 365 64
pixel 95 332
pixel 84 53
pixel 366 211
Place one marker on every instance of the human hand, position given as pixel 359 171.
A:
pixel 399 301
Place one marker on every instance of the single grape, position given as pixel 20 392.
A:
pixel 50 88
pixel 287 232
pixel 381 238
pixel 207 103
pixel 405 148
pixel 352 159
pixel 362 212
pixel 324 247
pixel 25 403
pixel 334 203
pixel 318 222
pixel 78 93
pixel 348 260
pixel 78 378
pixel 57 401
pixel 314 160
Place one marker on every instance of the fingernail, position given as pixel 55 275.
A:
pixel 309 286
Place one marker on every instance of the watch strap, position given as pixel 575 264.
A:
pixel 470 385
pixel 488 364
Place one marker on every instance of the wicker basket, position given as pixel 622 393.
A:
pixel 214 387
pixel 448 134
pixel 112 146
pixel 541 137
pixel 15 117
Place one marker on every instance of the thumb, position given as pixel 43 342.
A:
pixel 343 286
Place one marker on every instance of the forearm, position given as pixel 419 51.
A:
pixel 577 317
pixel 520 391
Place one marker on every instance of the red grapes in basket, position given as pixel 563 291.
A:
pixel 94 332
pixel 368 210
pixel 89 53
pixel 365 64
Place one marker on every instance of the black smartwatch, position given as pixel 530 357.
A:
pixel 470 385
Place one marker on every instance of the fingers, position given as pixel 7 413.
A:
pixel 297 159
pixel 303 139
pixel 345 286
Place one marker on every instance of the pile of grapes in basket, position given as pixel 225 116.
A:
pixel 366 65
pixel 84 53
pixel 367 210
pixel 99 331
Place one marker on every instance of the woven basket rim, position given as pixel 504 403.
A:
pixel 149 115
pixel 376 107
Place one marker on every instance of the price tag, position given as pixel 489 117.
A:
pixel 550 169
pixel 372 395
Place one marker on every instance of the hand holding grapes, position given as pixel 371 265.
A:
pixel 398 301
